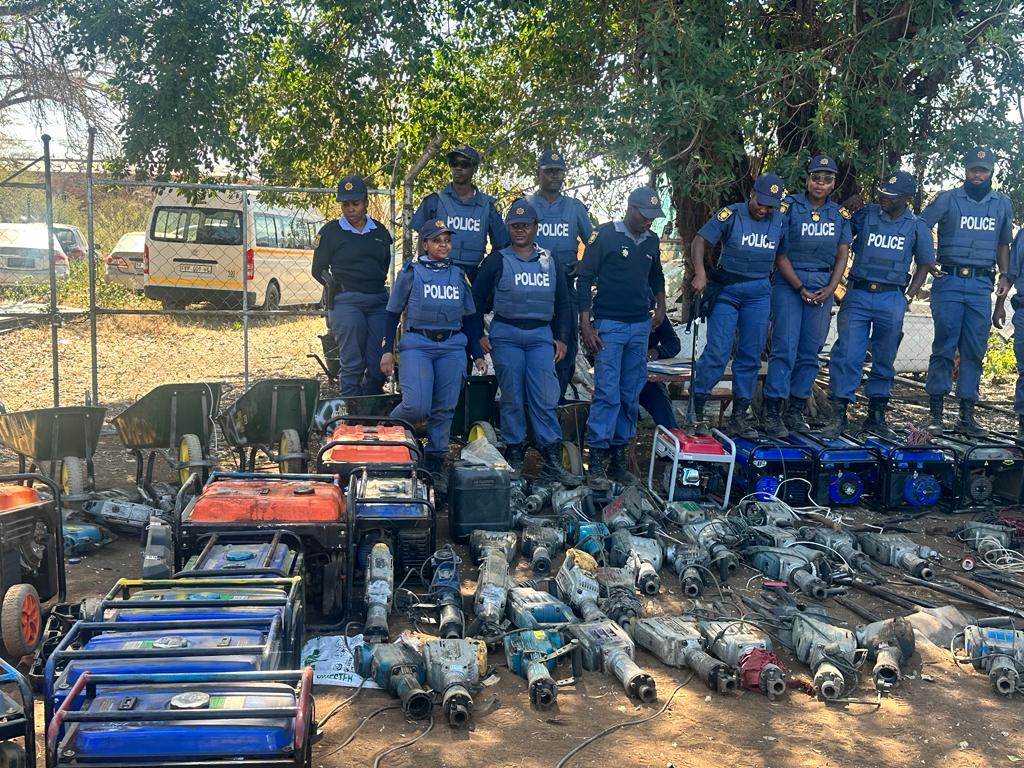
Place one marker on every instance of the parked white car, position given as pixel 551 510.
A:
pixel 124 264
pixel 25 253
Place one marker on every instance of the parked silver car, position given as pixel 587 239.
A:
pixel 24 254
pixel 124 264
pixel 71 240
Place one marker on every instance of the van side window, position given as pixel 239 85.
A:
pixel 204 226
pixel 266 232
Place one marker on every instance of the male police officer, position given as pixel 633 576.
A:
pixel 751 233
pixel 887 237
pixel 1015 274
pixel 807 273
pixel 974 236
pixel 467 212
pixel 357 250
pixel 623 258
pixel 562 223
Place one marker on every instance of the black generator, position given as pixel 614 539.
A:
pixel 845 472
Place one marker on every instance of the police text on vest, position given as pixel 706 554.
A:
pixel 443 292
pixel 978 223
pixel 533 280
pixel 757 240
pixel 887 242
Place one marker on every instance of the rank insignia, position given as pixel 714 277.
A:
pixel 724 214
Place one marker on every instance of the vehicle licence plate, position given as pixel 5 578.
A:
pixel 20 262
pixel 195 269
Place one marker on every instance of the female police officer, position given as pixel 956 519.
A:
pixel 435 297
pixel 751 234
pixel 807 273
pixel 525 285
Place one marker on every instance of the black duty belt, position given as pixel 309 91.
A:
pixel 723 277
pixel 813 269
pixel 954 269
pixel 874 287
pixel 433 335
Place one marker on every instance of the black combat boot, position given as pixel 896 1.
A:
pixel 597 470
pixel 514 456
pixel 617 469
pixel 698 424
pixel 967 424
pixel 876 418
pixel 935 426
pixel 773 425
pixel 794 415
pixel 552 471
pixel 838 423
pixel 434 464
pixel 741 423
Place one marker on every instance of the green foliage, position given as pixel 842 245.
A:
pixel 74 291
pixel 999 362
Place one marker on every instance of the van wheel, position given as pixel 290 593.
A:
pixel 172 304
pixel 272 301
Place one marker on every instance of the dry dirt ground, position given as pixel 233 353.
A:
pixel 950 716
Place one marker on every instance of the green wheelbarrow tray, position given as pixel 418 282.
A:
pixel 272 416
pixel 174 421
pixel 476 413
pixel 67 435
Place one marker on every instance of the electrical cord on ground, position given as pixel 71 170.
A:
pixel 359 727
pixel 404 744
pixel 337 708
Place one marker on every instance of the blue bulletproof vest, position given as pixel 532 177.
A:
pixel 811 242
pixel 969 232
pixel 557 227
pixel 883 248
pixel 526 289
pixel 750 247
pixel 468 224
pixel 436 300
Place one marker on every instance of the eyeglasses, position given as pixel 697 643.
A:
pixel 460 164
pixel 823 178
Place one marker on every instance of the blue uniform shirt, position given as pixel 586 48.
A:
pixel 1016 269
pixel 471 222
pixel 883 247
pixel 970 230
pixel 812 235
pixel 626 270
pixel 748 246
pixel 369 226
pixel 560 226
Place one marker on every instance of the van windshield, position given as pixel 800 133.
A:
pixel 203 226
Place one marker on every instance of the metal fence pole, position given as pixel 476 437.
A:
pixel 93 354
pixel 54 315
pixel 392 186
pixel 245 289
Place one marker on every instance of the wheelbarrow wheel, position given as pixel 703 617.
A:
pixel 482 429
pixel 74 476
pixel 289 443
pixel 21 620
pixel 190 458
pixel 572 459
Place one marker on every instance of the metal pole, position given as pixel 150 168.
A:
pixel 245 289
pixel 54 316
pixel 89 231
pixel 391 198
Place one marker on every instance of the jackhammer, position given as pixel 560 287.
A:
pixel 747 649
pixel 897 550
pixel 532 654
pixel 446 590
pixel 607 648
pixel 688 561
pixel 454 669
pixel 631 509
pixel 642 556
pixel 380 586
pixel 846 546
pixel 578 586
pixel 710 536
pixel 588 537
pixel 986 538
pixel 540 544
pixel 618 598
pixel 530 608
pixel 829 651
pixel 999 651
pixel 495 551
pixel 677 642
pixel 795 565
pixel 400 671
pixel 540 496
pixel 889 643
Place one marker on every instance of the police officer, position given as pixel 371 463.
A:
pixel 974 233
pixel 563 223
pixel 654 398
pixel 468 212
pixel 623 258
pixel 807 273
pixel 356 249
pixel 1015 275
pixel 739 295
pixel 525 287
pixel 435 297
pixel 887 236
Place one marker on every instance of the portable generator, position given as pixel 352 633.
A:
pixel 774 468
pixel 17 719
pixel 989 470
pixel 309 508
pixel 845 472
pixel 913 476
pixel 185 720
pixel 695 463
pixel 356 441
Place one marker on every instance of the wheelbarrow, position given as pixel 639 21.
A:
pixel 60 436
pixel 476 413
pixel 174 421
pixel 273 416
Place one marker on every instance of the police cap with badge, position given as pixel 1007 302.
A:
pixel 550 158
pixel 900 184
pixel 768 188
pixel 980 157
pixel 351 187
pixel 466 151
pixel 431 228
pixel 647 202
pixel 521 212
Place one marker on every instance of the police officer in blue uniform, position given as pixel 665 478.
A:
pixel 469 213
pixel 563 222
pixel 623 259
pixel 807 273
pixel 1015 276
pixel 974 233
pixel 654 398
pixel 887 236
pixel 356 249
pixel 525 287
pixel 739 295
pixel 435 296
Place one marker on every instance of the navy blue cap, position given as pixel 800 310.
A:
pixel 433 228
pixel 521 212
pixel 900 183
pixel 769 189
pixel 465 151
pixel 980 157
pixel 647 201
pixel 550 158
pixel 822 163
pixel 351 187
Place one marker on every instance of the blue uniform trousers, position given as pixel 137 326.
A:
pixel 655 400
pixel 357 322
pixel 431 375
pixel 865 316
pixel 962 313
pixel 741 308
pixel 566 367
pixel 620 371
pixel 798 333
pixel 525 366
pixel 1018 352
